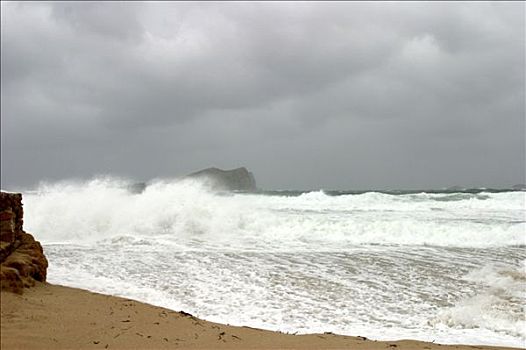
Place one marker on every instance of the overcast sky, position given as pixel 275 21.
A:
pixel 306 95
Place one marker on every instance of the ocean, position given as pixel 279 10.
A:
pixel 443 266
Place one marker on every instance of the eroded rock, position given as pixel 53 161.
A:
pixel 22 260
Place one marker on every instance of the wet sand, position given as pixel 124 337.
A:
pixel 55 317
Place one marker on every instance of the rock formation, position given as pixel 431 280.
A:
pixel 239 179
pixel 22 260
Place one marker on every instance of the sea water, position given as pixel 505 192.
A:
pixel 446 267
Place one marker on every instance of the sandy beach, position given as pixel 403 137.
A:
pixel 56 317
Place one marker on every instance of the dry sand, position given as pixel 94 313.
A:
pixel 55 317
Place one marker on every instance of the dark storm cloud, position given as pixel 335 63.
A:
pixel 307 95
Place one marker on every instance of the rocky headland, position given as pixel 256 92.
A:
pixel 22 260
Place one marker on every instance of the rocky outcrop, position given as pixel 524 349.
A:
pixel 22 260
pixel 239 179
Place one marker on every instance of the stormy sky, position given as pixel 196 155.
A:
pixel 306 95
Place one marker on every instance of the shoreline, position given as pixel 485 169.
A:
pixel 56 317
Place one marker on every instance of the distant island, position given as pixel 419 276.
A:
pixel 239 179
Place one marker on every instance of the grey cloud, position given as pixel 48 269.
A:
pixel 109 20
pixel 337 95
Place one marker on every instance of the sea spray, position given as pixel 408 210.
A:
pixel 188 211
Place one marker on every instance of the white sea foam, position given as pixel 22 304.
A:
pixel 443 267
pixel 186 214
pixel 497 305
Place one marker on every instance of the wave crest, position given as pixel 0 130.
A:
pixel 187 214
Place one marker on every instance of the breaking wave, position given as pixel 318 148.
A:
pixel 498 303
pixel 190 216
